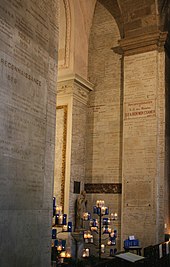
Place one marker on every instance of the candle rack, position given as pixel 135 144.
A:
pixel 59 221
pixel 100 226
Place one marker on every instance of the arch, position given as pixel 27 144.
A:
pixel 65 37
pixel 164 14
pixel 114 8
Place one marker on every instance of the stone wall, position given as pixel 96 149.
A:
pixel 103 131
pixel 73 94
pixel 28 64
pixel 140 17
pixel 143 148
pixel 78 151
pixel 167 149
pixel 136 17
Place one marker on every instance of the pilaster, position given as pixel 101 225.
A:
pixel 73 92
pixel 74 86
pixel 143 137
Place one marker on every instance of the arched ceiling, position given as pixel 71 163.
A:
pixel 164 11
pixel 134 18
pixel 114 8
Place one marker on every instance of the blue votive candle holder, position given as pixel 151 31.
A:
pixel 54 209
pixel 64 219
pixel 94 222
pixel 56 218
pixel 113 240
pixel 105 221
pixel 54 201
pixel 98 210
pixel 69 226
pixel 54 232
pixel 63 243
pixel 106 211
pixel 94 209
pixel 56 242
pixel 115 233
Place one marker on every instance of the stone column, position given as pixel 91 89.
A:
pixel 73 93
pixel 28 67
pixel 143 178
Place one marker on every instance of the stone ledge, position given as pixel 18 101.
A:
pixel 141 44
pixel 77 79
pixel 75 86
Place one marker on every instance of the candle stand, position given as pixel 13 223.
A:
pixel 100 226
pixel 59 225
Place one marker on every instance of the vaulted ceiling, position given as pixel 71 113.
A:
pixel 134 18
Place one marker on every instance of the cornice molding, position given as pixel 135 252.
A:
pixel 141 44
pixel 77 79
pixel 75 86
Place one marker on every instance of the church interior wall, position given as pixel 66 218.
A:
pixel 165 21
pixel 167 144
pixel 141 172
pixel 28 65
pixel 140 17
pixel 78 152
pixel 119 80
pixel 104 101
pixel 103 141
pixel 111 81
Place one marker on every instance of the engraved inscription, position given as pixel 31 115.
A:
pixel 140 77
pixel 138 193
pixel 103 188
pixel 27 127
pixel 140 109
pixel 32 39
pixel 20 71
pixel 27 81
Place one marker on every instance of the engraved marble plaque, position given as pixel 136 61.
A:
pixel 141 109
pixel 138 193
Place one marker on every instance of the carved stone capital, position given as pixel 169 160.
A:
pixel 142 43
pixel 75 86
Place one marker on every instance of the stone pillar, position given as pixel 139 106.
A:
pixel 143 178
pixel 28 66
pixel 167 135
pixel 73 93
